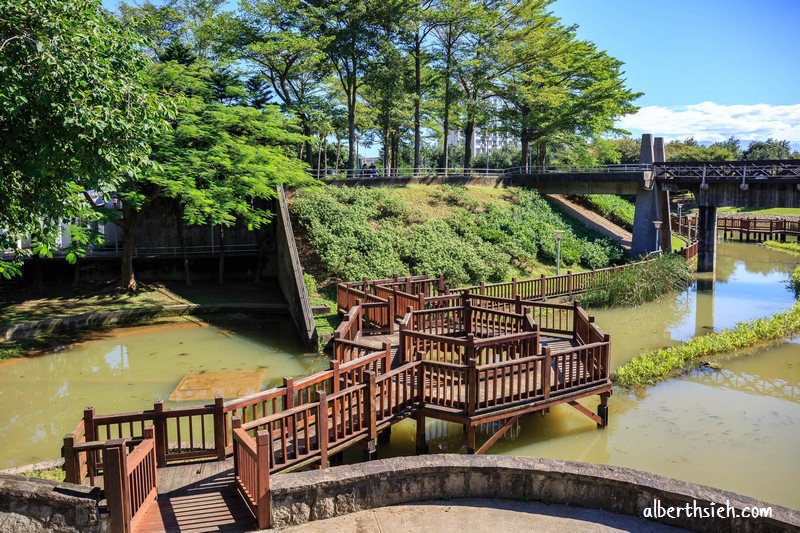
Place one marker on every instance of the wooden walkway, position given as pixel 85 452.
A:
pixel 199 497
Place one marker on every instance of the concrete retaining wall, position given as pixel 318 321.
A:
pixel 32 505
pixel 315 495
pixel 290 273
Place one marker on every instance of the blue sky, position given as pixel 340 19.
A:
pixel 708 68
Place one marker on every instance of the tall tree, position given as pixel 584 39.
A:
pixel 77 112
pixel 769 149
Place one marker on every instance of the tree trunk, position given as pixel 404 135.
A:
pixel 387 155
pixel 126 278
pixel 338 153
pixel 396 152
pixel 417 100
pixel 469 131
pixel 525 143
pixel 541 152
pixel 182 241
pixel 221 254
pixel 351 132
pixel 38 283
pixel 77 273
pixel 319 153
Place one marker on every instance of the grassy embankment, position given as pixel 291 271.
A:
pixel 653 366
pixel 639 283
pixel 614 208
pixel 469 234
pixel 61 301
pixel 792 211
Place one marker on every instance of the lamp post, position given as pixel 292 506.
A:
pixel 558 233
pixel 680 210
pixel 657 224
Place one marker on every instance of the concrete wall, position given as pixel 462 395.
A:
pixel 290 273
pixel 320 494
pixel 32 505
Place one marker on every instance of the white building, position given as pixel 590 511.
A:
pixel 490 138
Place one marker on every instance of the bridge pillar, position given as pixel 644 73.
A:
pixel 707 239
pixel 646 209
pixel 660 156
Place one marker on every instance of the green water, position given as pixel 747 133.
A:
pixel 127 370
pixel 735 428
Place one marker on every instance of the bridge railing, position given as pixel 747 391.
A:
pixel 421 173
pixel 728 170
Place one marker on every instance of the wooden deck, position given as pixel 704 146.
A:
pixel 198 497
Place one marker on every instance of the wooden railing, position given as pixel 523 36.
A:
pixel 130 480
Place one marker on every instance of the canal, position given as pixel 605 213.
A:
pixel 734 427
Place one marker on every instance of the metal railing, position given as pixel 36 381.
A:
pixel 407 172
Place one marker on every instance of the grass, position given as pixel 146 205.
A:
pixel 677 243
pixel 789 247
pixel 639 283
pixel 55 473
pixel 791 211
pixel 796 280
pixel 614 208
pixel 657 365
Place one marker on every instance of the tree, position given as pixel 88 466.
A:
pixel 769 149
pixel 77 113
pixel 563 86
pixel 221 162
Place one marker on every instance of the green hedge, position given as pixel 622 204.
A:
pixel 360 232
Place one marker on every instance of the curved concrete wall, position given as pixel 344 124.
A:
pixel 315 495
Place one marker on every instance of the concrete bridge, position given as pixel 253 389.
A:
pixel 756 184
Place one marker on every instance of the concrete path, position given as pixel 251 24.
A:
pixel 477 516
pixel 592 220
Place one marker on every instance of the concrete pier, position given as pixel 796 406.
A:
pixel 707 239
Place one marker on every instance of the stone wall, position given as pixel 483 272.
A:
pixel 315 495
pixel 32 505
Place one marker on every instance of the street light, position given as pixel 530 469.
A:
pixel 558 233
pixel 680 210
pixel 657 224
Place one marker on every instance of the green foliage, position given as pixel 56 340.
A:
pixel 788 247
pixel 651 367
pixel 639 283
pixel 55 473
pixel 372 233
pixel 614 208
pixel 796 281
pixel 769 149
pixel 77 114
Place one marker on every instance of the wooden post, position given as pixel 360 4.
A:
pixel 483 288
pixel 547 371
pixel 543 288
pixel 370 415
pixel 220 428
pixel 322 428
pixel 90 434
pixel 420 301
pixel 115 485
pixel 472 385
pixel 569 281
pixel 514 292
pixel 602 410
pixel 390 314
pixel 467 317
pixel 576 306
pixel 236 423
pixel 421 445
pixel 262 497
pixel 387 358
pixel 160 425
pixel 518 304
pixel 470 439
pixel 336 377
pixel 72 461
pixel 441 283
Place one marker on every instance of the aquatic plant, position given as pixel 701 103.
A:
pixel 639 283
pixel 790 247
pixel 653 366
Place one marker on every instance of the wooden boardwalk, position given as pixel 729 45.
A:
pixel 198 497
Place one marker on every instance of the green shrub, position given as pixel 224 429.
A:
pixel 796 281
pixel 639 283
pixel 650 367
pixel 373 233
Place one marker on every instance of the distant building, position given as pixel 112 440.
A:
pixel 489 139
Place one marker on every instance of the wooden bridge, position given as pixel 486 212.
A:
pixel 407 347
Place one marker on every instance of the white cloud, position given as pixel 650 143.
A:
pixel 709 121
